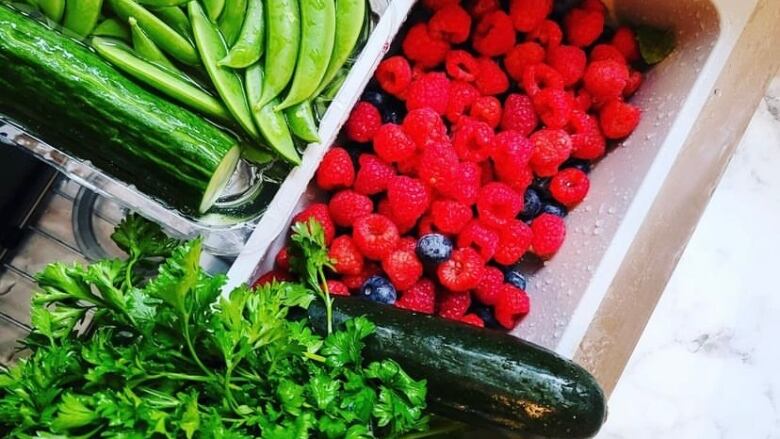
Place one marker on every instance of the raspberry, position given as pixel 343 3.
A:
pixel 548 34
pixel 494 34
pixel 435 5
pixel 486 170
pixel 473 320
pixel 375 236
pixel 513 241
pixel 409 166
pixel 354 282
pixel 551 149
pixel 489 286
pixel 422 48
pixel 363 122
pixel 403 268
pixel 497 204
pixel 336 170
pixel 473 141
pixel 282 259
pixel 425 226
pixel 451 23
pixel 407 243
pixel 462 271
pixel 569 61
pixel 549 232
pixel 421 297
pixel 408 198
pixel 528 14
pixel 522 56
pixel 347 206
pixel 272 276
pixel 606 79
pixel 587 141
pixel 479 8
pixel 319 212
pixel 539 77
pixel 486 109
pixel 373 175
pixel 345 256
pixel 453 306
pixel 337 288
pixel 519 114
pixel 603 52
pixel 635 80
pixel 460 65
pixel 594 5
pixel 391 144
pixel 465 183
pixel 462 96
pixel 512 304
pixel 554 107
pixel 583 100
pixel 625 41
pixel 618 119
pixel 569 187
pixel 431 90
pixel 511 154
pixel 450 216
pixel 583 27
pixel 438 166
pixel 424 127
pixel 480 238
pixel 394 75
pixel 523 180
pixel 491 80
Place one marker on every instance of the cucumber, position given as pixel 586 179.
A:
pixel 481 377
pixel 71 98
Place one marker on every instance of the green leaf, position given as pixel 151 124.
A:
pixel 190 419
pixel 177 277
pixel 655 44
pixel 291 397
pixel 344 348
pixel 64 282
pixel 106 275
pixel 73 413
pixel 141 238
pixel 323 390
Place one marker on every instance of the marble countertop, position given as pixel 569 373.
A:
pixel 706 366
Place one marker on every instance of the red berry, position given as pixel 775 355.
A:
pixel 625 41
pixel 569 187
pixel 479 8
pixel 539 77
pixel 528 14
pixel 462 97
pixel 513 241
pixel 363 122
pixel 523 181
pixel 319 212
pixel 375 236
pixel 462 271
pixel 548 34
pixel 583 27
pixel 491 79
pixel 519 114
pixel 373 175
pixel 583 100
pixel 435 5
pixel 407 243
pixel 569 61
pixel 392 144
pixel 273 276
pixel 511 154
pixel 618 119
pixel 347 206
pixel 489 286
pixel 497 204
pixel 604 52
pixel 421 297
pixel 337 288
pixel 438 166
pixel 431 90
pixel 282 260
pixel 425 226
pixel 425 127
pixel 464 184
pixel 408 198
pixel 486 109
pixel 521 57
pixel 460 65
pixel 450 216
pixel 551 149
pixel 511 306
pixel 336 170
pixel 473 141
pixel 549 233
pixel 606 79
pixel 453 306
pixel 451 23
pixel 480 238
pixel 554 107
pixel 354 282
pixel 586 139
pixel 394 75
pixel 421 47
pixel 345 256
pixel 594 5
pixel 494 35
pixel 473 320
pixel 635 80
pixel 402 268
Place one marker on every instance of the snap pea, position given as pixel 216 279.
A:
pixel 318 33
pixel 226 81
pixel 54 9
pixel 174 17
pixel 300 118
pixel 160 78
pixel 348 12
pixel 162 3
pixel 249 46
pixel 111 27
pixel 166 38
pixel 81 16
pixel 146 48
pixel 281 46
pixel 272 124
pixel 232 19
pixel 214 8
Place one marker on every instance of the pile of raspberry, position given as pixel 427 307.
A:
pixel 468 153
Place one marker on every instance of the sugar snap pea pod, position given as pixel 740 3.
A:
pixel 174 17
pixel 145 47
pixel 249 46
pixel 81 16
pixel 272 124
pixel 214 8
pixel 318 33
pixel 300 118
pixel 111 27
pixel 232 19
pixel 166 38
pixel 54 9
pixel 167 82
pixel 283 23
pixel 348 12
pixel 226 81
pixel 162 3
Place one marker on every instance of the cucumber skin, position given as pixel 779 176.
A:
pixel 478 376
pixel 68 96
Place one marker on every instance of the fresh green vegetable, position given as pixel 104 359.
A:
pixel 145 47
pixel 250 45
pixel 348 12
pixel 281 51
pixel 174 17
pixel 300 118
pixel 111 27
pixel 232 19
pixel 69 96
pixel 655 44
pixel 169 357
pixel 214 8
pixel 318 33
pixel 81 16
pixel 272 124
pixel 54 9
pixel 162 3
pixel 485 378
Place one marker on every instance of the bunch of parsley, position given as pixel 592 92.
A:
pixel 117 354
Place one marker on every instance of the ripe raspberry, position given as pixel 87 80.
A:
pixel 513 241
pixel 421 297
pixel 363 122
pixel 494 34
pixel 491 79
pixel 282 259
pixel 422 48
pixel 569 187
pixel 408 198
pixel 583 101
pixel 407 243
pixel 524 179
pixel 425 226
pixel 451 23
pixel 528 14
pixel 583 27
pixel 460 65
pixel 473 320
pixel 354 282
pixel 318 211
pixel 635 80
pixel 489 286
pixel 551 149
pixel 480 238
pixel 473 141
pixel 512 305
pixel 438 166
pixel 402 268
pixel 431 90
pixel 464 184
pixel 548 34
pixel 391 144
pixel 435 5
pixel 511 153
pixel 337 288
pixel 462 271
pixel 549 233
pixel 375 236
pixel 586 139
pixel 486 109
pixel 346 206
pixel 539 77
pixel 625 41
pixel 522 56
pixel 554 107
pixel 450 216
pixel 480 8
pixel 409 166
pixel 336 170
pixel 373 175
pixel 462 97
pixel 604 52
pixel 453 306
pixel 273 276
pixel 519 114
pixel 488 174
pixel 606 79
pixel 497 204
pixel 394 75
pixel 345 256
pixel 618 119
pixel 425 127
pixel 594 5
pixel 569 61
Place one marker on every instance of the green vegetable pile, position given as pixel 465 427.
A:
pixel 114 354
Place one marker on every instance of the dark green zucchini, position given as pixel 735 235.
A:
pixel 480 377
pixel 70 97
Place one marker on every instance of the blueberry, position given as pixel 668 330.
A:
pixel 486 314
pixel 434 248
pixel 542 187
pixel 582 165
pixel 378 289
pixel 515 278
pixel 531 206
pixel 375 98
pixel 555 209
pixel 392 116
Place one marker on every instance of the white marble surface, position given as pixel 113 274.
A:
pixel 708 363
